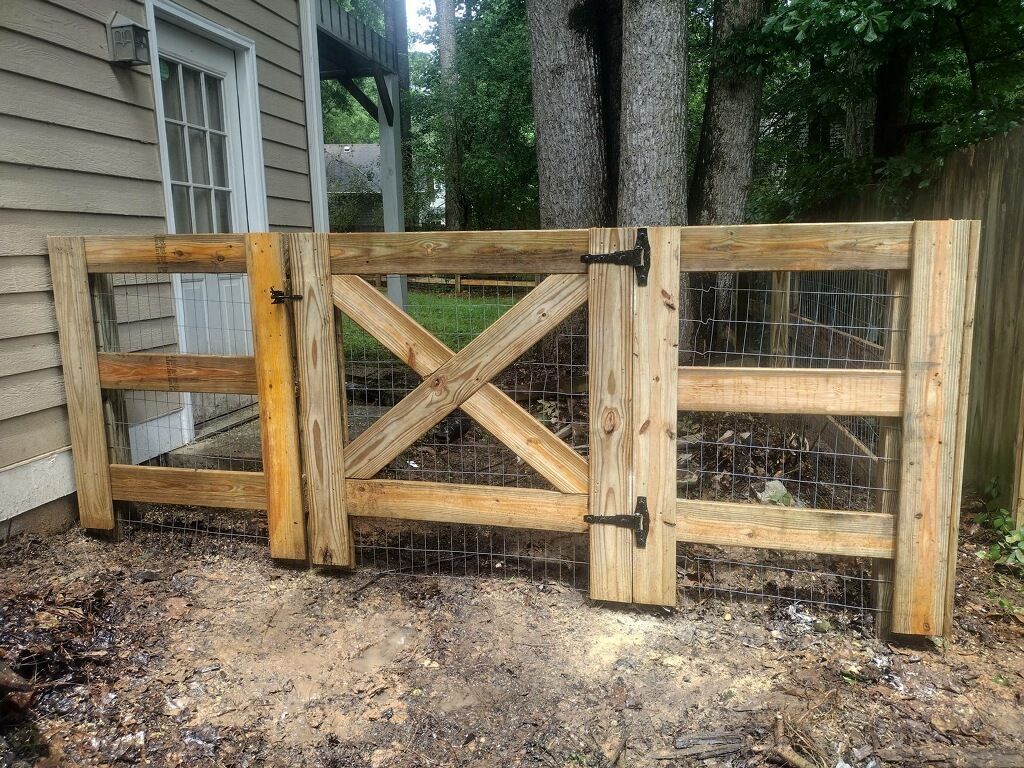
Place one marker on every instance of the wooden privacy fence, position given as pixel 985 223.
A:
pixel 314 479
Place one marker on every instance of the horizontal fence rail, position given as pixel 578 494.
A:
pixel 315 477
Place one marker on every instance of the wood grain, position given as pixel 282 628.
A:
pixel 233 374
pixel 495 411
pixel 166 253
pixel 81 382
pixel 320 395
pixel 510 252
pixel 474 504
pixel 938 295
pixel 823 531
pixel 655 362
pixel 178 485
pixel 847 392
pixel 447 388
pixel 275 380
pixel 610 355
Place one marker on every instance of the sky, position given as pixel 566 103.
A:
pixel 418 23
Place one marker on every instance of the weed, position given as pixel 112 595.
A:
pixel 1009 548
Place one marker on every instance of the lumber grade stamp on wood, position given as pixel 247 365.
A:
pixel 166 253
pixel 495 411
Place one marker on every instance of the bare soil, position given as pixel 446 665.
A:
pixel 165 652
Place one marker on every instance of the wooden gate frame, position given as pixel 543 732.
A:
pixel 314 479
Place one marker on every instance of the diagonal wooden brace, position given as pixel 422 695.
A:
pixel 462 379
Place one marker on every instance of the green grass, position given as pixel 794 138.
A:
pixel 454 320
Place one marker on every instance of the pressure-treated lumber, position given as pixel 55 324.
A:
pixel 929 501
pixel 233 374
pixel 495 411
pixel 511 252
pixel 824 531
pixel 655 361
pixel 166 253
pixel 887 498
pixel 320 417
pixel 178 485
pixel 275 380
pixel 796 247
pixel 610 356
pixel 473 504
pixel 846 392
pixel 81 382
pixel 457 380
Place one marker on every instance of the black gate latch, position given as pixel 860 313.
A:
pixel 280 297
pixel 639 522
pixel 638 257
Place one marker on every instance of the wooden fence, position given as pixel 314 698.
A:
pixel 624 493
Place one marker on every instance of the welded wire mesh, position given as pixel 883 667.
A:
pixel 792 320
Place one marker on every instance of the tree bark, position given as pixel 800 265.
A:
pixel 396 31
pixel 652 130
pixel 454 196
pixel 724 166
pixel 568 111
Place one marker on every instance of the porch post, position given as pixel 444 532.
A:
pixel 391 178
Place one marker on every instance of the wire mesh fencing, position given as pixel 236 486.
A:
pixel 825 320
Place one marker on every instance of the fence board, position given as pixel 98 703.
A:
pixel 929 501
pixel 655 362
pixel 275 380
pixel 457 380
pixel 166 253
pixel 321 423
pixel 170 485
pixel 610 356
pixel 495 411
pixel 232 374
pixel 471 504
pixel 845 392
pixel 823 531
pixel 73 304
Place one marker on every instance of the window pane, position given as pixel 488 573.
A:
pixel 169 87
pixel 197 156
pixel 213 105
pixel 193 96
pixel 182 214
pixel 219 160
pixel 223 205
pixel 176 152
pixel 204 209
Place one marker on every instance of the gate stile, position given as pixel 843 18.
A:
pixel 314 478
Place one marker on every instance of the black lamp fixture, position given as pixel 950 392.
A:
pixel 129 41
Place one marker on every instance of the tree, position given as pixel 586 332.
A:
pixel 454 198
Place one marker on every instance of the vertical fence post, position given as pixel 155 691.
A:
pixel 73 304
pixel 321 425
pixel 275 385
pixel 610 359
pixel 887 500
pixel 944 262
pixel 655 414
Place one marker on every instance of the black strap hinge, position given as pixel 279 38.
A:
pixel 638 257
pixel 639 522
pixel 280 297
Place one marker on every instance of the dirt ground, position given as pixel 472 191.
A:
pixel 163 653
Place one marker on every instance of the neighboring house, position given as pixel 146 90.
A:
pixel 354 187
pixel 216 135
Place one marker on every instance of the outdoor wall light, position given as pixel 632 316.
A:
pixel 129 41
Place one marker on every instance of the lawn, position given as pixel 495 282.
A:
pixel 455 320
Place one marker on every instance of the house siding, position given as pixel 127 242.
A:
pixel 79 156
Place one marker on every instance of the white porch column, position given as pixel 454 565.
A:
pixel 391 182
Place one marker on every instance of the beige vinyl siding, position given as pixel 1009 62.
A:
pixel 79 156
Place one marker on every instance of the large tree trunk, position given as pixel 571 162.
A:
pixel 724 166
pixel 454 196
pixel 652 131
pixel 569 115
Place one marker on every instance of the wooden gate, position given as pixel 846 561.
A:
pixel 624 492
